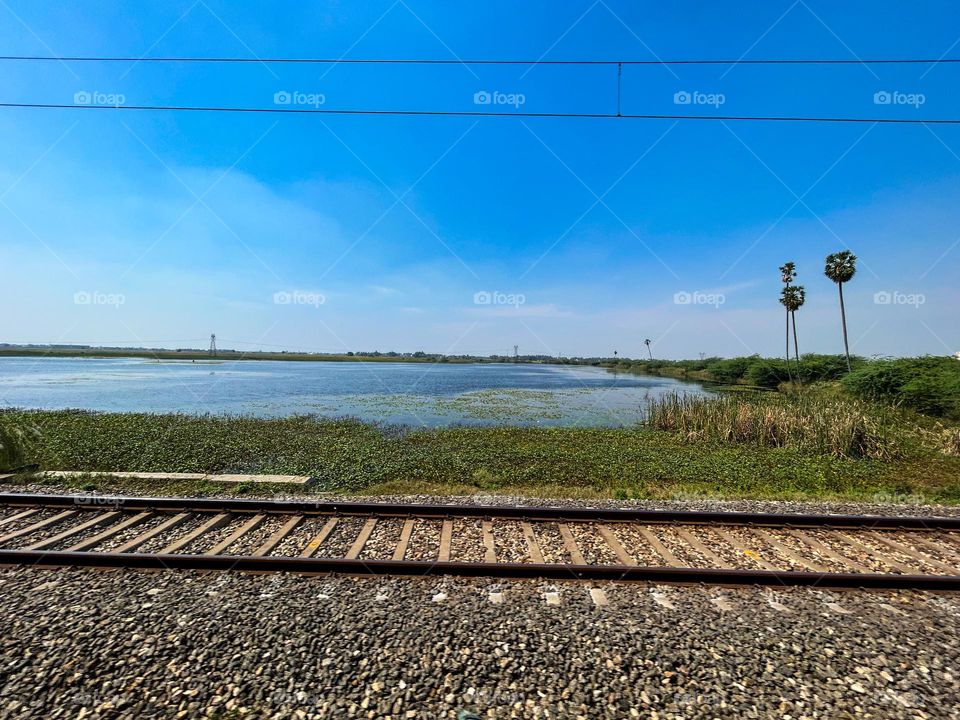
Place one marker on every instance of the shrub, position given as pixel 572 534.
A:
pixel 930 385
pixel 818 368
pixel 730 371
pixel 767 373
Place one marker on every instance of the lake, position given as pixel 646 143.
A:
pixel 417 394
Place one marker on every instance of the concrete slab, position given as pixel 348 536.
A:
pixel 232 478
pixel 599 597
pixel 280 479
pixel 138 475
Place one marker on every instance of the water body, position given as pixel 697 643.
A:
pixel 416 394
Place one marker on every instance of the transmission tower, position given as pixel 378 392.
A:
pixel 213 345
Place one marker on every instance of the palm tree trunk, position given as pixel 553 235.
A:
pixel 843 321
pixel 789 376
pixel 796 351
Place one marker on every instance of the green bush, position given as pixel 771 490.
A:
pixel 818 368
pixel 767 373
pixel 730 371
pixel 930 385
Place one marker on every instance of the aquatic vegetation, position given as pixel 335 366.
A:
pixel 351 456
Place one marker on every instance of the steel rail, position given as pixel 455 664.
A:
pixel 416 568
pixel 504 512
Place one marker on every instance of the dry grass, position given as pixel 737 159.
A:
pixel 840 428
pixel 943 439
pixel 16 439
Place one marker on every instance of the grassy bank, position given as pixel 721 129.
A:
pixel 348 456
pixel 930 385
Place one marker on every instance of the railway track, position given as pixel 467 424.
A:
pixel 306 537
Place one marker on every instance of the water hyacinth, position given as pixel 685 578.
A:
pixel 840 428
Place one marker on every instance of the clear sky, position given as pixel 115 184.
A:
pixel 340 233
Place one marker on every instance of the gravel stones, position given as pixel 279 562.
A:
pixel 85 643
pixel 424 541
pixel 636 545
pixel 467 542
pixel 551 543
pixel 296 541
pixel 339 542
pixel 509 542
pixel 591 544
pixel 692 504
pixel 383 541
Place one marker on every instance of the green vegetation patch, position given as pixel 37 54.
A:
pixel 930 385
pixel 350 456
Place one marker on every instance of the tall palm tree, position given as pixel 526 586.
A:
pixel 787 273
pixel 786 299
pixel 647 343
pixel 841 267
pixel 797 299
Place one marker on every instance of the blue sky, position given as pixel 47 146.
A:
pixel 151 228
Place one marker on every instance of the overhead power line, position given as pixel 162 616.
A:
pixel 481 113
pixel 428 61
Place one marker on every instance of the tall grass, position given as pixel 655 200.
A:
pixel 15 441
pixel 840 428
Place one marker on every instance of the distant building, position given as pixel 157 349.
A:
pixel 957 355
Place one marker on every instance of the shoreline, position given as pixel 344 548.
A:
pixel 237 355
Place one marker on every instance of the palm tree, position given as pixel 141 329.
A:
pixel 841 267
pixel 787 273
pixel 647 343
pixel 797 299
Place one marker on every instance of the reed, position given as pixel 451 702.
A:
pixel 840 428
pixel 15 441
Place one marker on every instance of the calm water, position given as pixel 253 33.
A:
pixel 415 394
